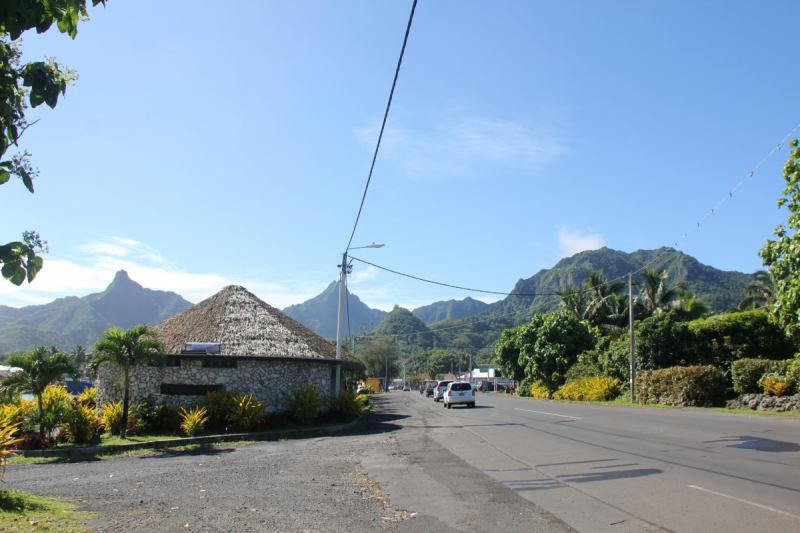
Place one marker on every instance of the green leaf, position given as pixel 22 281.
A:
pixel 34 266
pixel 13 272
pixel 26 179
pixel 4 177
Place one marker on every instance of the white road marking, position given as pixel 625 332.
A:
pixel 745 501
pixel 551 414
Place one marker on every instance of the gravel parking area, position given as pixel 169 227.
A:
pixel 313 485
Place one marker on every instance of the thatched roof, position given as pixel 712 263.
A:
pixel 246 326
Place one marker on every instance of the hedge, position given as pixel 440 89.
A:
pixel 747 373
pixel 692 385
pixel 722 339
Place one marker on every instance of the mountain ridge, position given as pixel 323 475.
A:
pixel 72 320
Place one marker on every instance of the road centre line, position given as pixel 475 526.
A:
pixel 745 501
pixel 543 413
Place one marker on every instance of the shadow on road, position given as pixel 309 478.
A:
pixel 759 444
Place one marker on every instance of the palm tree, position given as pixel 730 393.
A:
pixel 137 345
pixel 690 305
pixel 654 295
pixel 574 300
pixel 603 296
pixel 39 368
pixel 761 292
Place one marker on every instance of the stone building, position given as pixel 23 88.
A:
pixel 261 352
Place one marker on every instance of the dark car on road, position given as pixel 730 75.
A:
pixel 488 386
pixel 429 389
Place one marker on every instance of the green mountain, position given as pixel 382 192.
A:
pixel 72 320
pixel 320 313
pixel 720 289
pixel 450 309
pixel 477 334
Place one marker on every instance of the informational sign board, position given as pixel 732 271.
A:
pixel 483 368
pixel 494 373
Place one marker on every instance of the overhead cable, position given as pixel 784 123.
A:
pixel 383 125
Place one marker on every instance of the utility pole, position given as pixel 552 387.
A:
pixel 342 288
pixel 386 379
pixel 470 367
pixel 633 347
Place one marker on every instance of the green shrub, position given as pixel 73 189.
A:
pixel 776 384
pixel 112 417
pixel 348 405
pixel 538 390
pixel 722 339
pixel 304 403
pixel 747 373
pixel 693 385
pixel 245 413
pixel 154 418
pixel 218 405
pixel 591 389
pixel 193 422
pixel 581 370
pixel 80 423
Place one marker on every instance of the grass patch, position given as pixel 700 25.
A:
pixel 25 512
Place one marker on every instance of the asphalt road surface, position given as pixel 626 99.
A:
pixel 614 468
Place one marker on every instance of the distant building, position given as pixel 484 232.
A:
pixel 261 352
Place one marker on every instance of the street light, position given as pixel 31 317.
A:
pixel 346 269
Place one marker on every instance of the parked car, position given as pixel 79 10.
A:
pixel 429 389
pixel 459 392
pixel 364 390
pixel 487 386
pixel 406 388
pixel 438 391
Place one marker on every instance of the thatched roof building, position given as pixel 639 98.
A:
pixel 261 352
pixel 246 327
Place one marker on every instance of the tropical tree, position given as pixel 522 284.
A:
pixel 689 306
pixel 79 356
pixel 574 300
pixel 654 295
pixel 39 367
pixel 761 292
pixel 40 82
pixel 602 296
pixel 783 256
pixel 135 346
pixel 380 357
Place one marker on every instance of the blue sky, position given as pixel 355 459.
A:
pixel 203 147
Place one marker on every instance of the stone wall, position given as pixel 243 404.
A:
pixel 268 381
pixel 762 402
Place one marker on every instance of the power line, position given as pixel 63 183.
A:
pixel 586 289
pixel 383 125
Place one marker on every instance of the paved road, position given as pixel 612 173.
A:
pixel 638 469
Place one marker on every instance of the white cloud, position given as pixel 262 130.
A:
pixel 465 147
pixel 62 277
pixel 363 275
pixel 572 242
